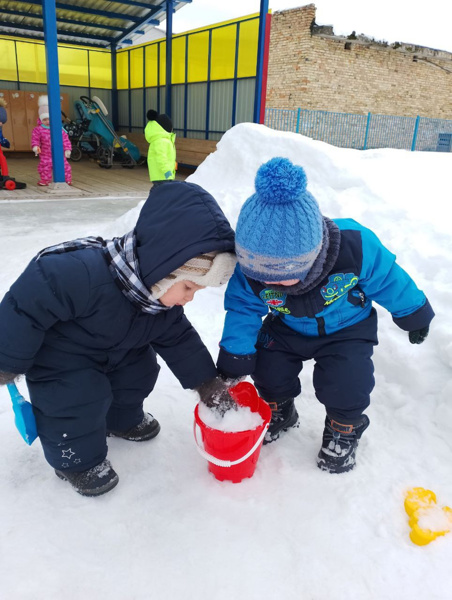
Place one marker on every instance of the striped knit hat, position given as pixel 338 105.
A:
pixel 209 270
pixel 280 228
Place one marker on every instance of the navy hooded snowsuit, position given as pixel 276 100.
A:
pixel 89 354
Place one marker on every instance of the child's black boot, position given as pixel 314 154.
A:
pixel 284 416
pixel 146 430
pixel 339 444
pixel 94 482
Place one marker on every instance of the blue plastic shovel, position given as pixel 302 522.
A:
pixel 23 415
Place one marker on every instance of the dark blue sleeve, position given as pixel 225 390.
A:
pixel 55 288
pixel 243 320
pixel 183 350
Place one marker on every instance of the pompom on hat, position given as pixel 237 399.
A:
pixel 208 270
pixel 280 230
pixel 151 115
pixel 43 110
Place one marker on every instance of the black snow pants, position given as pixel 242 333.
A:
pixel 74 405
pixel 343 372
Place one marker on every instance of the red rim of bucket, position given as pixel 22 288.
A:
pixel 235 393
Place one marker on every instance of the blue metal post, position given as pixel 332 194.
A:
pixel 209 66
pixel 169 54
pixel 186 88
pixel 416 128
pixel 158 76
pixel 53 88
pixel 260 60
pixel 366 137
pixel 236 66
pixel 129 92
pixel 114 89
pixel 144 121
pixel 89 75
pixel 297 129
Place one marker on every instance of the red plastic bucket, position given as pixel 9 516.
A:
pixel 232 456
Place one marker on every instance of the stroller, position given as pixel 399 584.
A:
pixel 82 140
pixel 94 134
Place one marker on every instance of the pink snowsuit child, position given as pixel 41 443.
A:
pixel 41 145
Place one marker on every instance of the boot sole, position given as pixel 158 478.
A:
pixel 333 471
pixel 293 425
pixel 152 434
pixel 97 492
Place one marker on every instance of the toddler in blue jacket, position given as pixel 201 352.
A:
pixel 314 279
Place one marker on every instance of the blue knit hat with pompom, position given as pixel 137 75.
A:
pixel 280 227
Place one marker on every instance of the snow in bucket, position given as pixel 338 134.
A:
pixel 241 419
pixel 232 452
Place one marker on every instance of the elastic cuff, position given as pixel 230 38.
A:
pixel 235 365
pixel 417 320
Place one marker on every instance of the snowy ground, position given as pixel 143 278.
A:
pixel 170 531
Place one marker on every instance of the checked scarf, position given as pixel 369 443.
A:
pixel 121 256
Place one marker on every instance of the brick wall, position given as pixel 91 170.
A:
pixel 317 72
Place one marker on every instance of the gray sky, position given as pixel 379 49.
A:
pixel 426 23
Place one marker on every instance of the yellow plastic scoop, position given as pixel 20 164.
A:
pixel 427 520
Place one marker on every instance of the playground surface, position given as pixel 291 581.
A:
pixel 88 179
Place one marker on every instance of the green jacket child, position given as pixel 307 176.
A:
pixel 162 147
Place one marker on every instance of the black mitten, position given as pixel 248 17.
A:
pixel 214 394
pixel 418 335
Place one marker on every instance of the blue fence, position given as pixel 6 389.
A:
pixel 364 132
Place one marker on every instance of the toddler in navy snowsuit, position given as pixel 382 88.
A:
pixel 314 279
pixel 86 318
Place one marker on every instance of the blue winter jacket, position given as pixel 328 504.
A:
pixel 364 271
pixel 66 310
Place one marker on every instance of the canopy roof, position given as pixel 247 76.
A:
pixel 88 22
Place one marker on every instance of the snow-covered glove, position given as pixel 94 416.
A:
pixel 7 377
pixel 67 153
pixel 214 394
pixel 418 335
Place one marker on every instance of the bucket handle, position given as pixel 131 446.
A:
pixel 228 463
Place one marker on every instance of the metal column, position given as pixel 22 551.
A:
pixel 53 88
pixel 260 60
pixel 114 89
pixel 169 54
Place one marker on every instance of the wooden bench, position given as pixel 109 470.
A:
pixel 189 152
pixel 192 152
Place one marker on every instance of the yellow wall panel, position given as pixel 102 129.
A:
pixel 223 52
pixel 178 60
pixel 100 69
pixel 136 68
pixel 73 66
pixel 162 63
pixel 74 61
pixel 8 69
pixel 198 55
pixel 122 70
pixel 248 40
pixel 151 65
pixel 32 62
